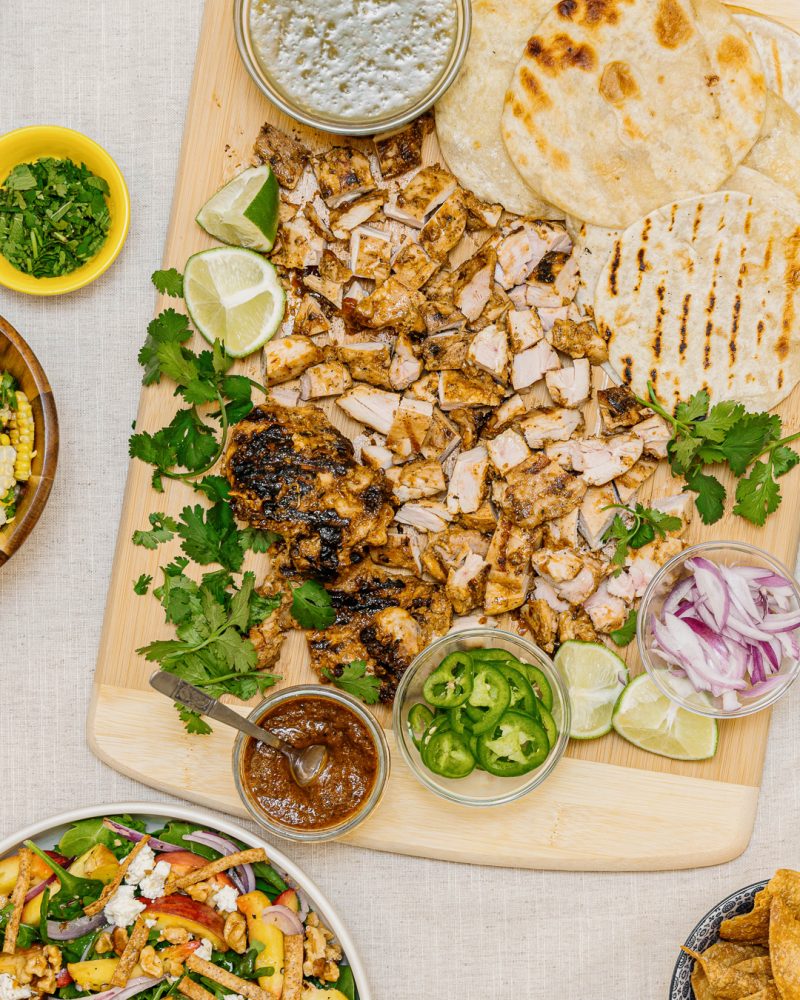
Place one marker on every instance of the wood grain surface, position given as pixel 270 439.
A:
pixel 17 358
pixel 639 810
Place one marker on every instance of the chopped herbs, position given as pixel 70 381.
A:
pixel 625 635
pixel 169 282
pixel 353 679
pixel 639 528
pixel 142 585
pixel 311 606
pixel 53 217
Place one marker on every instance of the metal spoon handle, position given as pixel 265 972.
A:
pixel 198 701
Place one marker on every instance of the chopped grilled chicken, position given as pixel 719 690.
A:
pixel 557 565
pixel 480 214
pixel 424 193
pixel 370 253
pixel 629 483
pixel 538 296
pixel 542 623
pixel 470 423
pixel 483 519
pixel 467 487
pixel 330 378
pixel 405 366
pixel 285 155
pixel 643 564
pixel 475 282
pixel 309 319
pixel 287 211
pixel 530 366
pixel 509 568
pixel 368 361
pixel 425 515
pixel 506 413
pixel 391 304
pixel 316 211
pixel 446 350
pixel 402 550
pixel 548 268
pixel 524 329
pixel 507 451
pixel 606 611
pixel 570 387
pixel 561 531
pixel 439 316
pixel 545 591
pixel 290 471
pixel 515 258
pixel 488 351
pixel 370 406
pixel 655 435
pixel 442 438
pixel 326 287
pixel 595 516
pixel 288 357
pixel 284 395
pixel 563 452
pixel 426 387
pixel 410 426
pixel 400 150
pixel 579 340
pixel 445 227
pixel 679 505
pixel 550 315
pixel 383 617
pixel 599 460
pixel 575 624
pixel 466 584
pixel 355 213
pixel 374 453
pixel 450 548
pixel 413 266
pixel 584 583
pixel 568 278
pixel 540 489
pixel 458 390
pixel 550 423
pixel 342 174
pixel 299 245
pixel 415 480
pixel 333 269
pixel 622 585
pixel 618 408
pixel 495 309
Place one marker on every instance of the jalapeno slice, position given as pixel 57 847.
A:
pixel 489 698
pixel 540 684
pixel 419 718
pixel 440 724
pixel 548 724
pixel 450 683
pixel 448 754
pixel 513 745
pixel 460 722
pixel 522 696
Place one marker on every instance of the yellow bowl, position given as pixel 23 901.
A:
pixel 24 145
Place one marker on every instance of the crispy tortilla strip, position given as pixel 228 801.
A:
pixel 784 949
pixel 726 982
pixel 734 952
pixel 786 884
pixel 752 927
pixel 215 867
pixel 194 990
pixel 130 956
pixel 292 967
pixel 114 884
pixel 768 993
pixel 225 978
pixel 18 901
pixel 761 966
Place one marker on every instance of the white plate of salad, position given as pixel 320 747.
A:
pixel 164 903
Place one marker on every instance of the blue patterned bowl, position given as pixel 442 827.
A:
pixel 706 933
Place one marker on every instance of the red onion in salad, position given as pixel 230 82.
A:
pixel 75 928
pixel 286 920
pixel 243 875
pixel 136 836
pixel 134 986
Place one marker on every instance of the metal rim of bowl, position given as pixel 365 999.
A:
pixel 653 670
pixel 541 773
pixel 384 764
pixel 243 43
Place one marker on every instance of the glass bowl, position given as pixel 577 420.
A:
pixel 679 689
pixel 329 832
pixel 478 788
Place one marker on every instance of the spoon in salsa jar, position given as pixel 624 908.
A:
pixel 305 765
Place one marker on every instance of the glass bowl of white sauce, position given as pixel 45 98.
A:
pixel 353 67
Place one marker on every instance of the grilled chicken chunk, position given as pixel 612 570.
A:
pixel 325 287
pixel 400 150
pixel 316 211
pixel 466 583
pixel 299 245
pixel 443 351
pixel 561 531
pixel 371 450
pixel 391 304
pixel 575 624
pixel 606 611
pixel 355 213
pixel 509 568
pixel 310 320
pixel 507 451
pixel 599 460
pixel 370 406
pixel 425 515
pixel 410 426
pixel 550 423
pixel 285 155
pixel 440 316
pixel 506 413
pixel 288 357
pixel 570 387
pixel 629 483
pixel 442 438
pixel 524 329
pixel 618 408
pixel 557 565
pixel 330 378
pixel 412 265
pixel 542 623
pixel 538 490
pixel 584 583
pixel 424 193
pixel 595 516
pixel 368 361
pixel 370 253
pixel 445 227
pixel 467 487
pixel 450 548
pixel 547 314
pixel 578 340
pixel 655 435
pixel 679 505
pixel 342 174
pixel 290 471
pixel 415 480
pixel 474 283
pixel 530 366
pixel 488 351
pixel 405 366
pixel 480 214
pixel 333 269
pixel 402 550
pixel 457 390
pixel 426 387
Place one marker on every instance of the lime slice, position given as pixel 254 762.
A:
pixel 648 719
pixel 595 678
pixel 233 295
pixel 244 213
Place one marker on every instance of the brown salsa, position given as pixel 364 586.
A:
pixel 346 781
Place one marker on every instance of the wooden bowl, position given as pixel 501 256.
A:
pixel 18 359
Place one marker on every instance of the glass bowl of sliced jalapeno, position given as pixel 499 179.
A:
pixel 482 716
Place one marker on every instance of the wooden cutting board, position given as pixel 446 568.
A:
pixel 607 806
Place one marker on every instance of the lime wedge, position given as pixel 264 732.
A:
pixel 648 719
pixel 233 295
pixel 244 213
pixel 595 678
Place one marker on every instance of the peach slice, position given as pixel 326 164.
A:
pixel 195 917
pixel 252 905
pixel 97 973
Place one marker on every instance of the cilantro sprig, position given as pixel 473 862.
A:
pixel 624 636
pixel 311 606
pixel 727 433
pixel 641 526
pixel 353 679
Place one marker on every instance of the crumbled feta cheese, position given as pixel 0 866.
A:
pixel 224 899
pixel 9 990
pixel 150 923
pixel 204 951
pixel 152 885
pixel 122 909
pixel 143 863
pixel 233 996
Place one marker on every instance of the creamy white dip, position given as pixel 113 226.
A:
pixel 353 59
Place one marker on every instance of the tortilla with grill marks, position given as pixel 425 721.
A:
pixel 705 293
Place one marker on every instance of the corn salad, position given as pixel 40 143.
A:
pixel 16 445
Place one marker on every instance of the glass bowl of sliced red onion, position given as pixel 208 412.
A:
pixel 719 629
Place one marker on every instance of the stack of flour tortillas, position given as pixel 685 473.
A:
pixel 667 133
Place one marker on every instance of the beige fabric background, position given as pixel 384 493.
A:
pixel 120 70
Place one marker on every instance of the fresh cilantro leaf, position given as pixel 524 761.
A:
pixel 8 390
pixel 721 418
pixel 625 635
pixel 258 539
pixel 216 488
pixel 682 451
pixel 710 499
pixel 195 724
pixel 645 524
pixel 696 407
pixel 262 606
pixel 168 282
pixel 749 438
pixel 142 585
pixel 311 606
pixel 757 495
pixel 783 459
pixel 210 535
pixel 163 529
pixel 169 326
pixel 353 679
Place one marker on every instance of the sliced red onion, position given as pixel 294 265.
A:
pixel 131 988
pixel 243 875
pixel 136 836
pixel 74 928
pixel 286 920
pixel 712 587
pixel 305 906
pixel 37 890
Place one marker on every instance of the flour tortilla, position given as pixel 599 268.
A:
pixel 619 106
pixel 779 48
pixel 468 116
pixel 592 248
pixel 676 313
pixel 777 150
